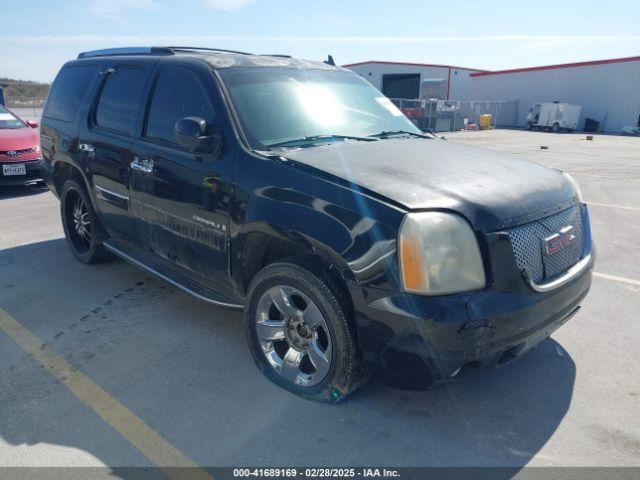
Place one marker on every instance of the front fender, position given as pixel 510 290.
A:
pixel 347 235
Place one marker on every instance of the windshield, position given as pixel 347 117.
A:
pixel 9 120
pixel 276 106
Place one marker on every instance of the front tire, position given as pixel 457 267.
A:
pixel 82 228
pixel 556 127
pixel 301 333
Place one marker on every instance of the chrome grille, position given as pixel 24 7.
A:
pixel 527 242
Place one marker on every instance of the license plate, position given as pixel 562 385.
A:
pixel 14 169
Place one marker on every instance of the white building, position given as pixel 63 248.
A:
pixel 403 80
pixel 607 90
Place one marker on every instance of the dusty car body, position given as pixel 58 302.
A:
pixel 293 189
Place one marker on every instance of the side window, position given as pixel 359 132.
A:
pixel 177 94
pixel 120 99
pixel 68 91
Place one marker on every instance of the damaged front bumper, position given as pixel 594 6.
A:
pixel 419 341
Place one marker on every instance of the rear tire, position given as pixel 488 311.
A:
pixel 323 363
pixel 82 228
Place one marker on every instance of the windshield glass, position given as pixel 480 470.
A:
pixel 280 105
pixel 9 120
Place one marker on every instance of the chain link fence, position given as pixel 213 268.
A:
pixel 450 115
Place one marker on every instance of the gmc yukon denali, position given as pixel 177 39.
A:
pixel 355 243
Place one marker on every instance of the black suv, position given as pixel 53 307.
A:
pixel 293 189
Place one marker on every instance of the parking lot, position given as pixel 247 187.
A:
pixel 103 365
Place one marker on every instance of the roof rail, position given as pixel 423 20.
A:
pixel 279 55
pixel 127 51
pixel 155 51
pixel 205 49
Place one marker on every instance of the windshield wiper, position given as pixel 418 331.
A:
pixel 393 133
pixel 311 139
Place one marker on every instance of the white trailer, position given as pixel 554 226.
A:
pixel 555 116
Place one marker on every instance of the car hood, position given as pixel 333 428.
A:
pixel 18 138
pixel 492 190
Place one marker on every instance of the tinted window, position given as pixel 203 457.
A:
pixel 68 90
pixel 120 99
pixel 177 94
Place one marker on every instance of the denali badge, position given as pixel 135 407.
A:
pixel 558 241
pixel 211 223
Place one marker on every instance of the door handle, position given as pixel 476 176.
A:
pixel 144 165
pixel 86 147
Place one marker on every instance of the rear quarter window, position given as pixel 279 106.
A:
pixel 68 91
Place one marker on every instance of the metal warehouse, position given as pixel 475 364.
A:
pixel 607 90
pixel 410 80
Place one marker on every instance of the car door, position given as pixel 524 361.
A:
pixel 180 199
pixel 104 145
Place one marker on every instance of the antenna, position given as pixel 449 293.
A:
pixel 329 61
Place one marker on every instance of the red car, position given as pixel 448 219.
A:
pixel 20 156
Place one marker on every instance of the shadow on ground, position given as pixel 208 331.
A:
pixel 183 367
pixel 22 191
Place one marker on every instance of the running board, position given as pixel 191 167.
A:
pixel 176 276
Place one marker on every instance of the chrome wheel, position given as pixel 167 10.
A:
pixel 78 222
pixel 81 220
pixel 293 335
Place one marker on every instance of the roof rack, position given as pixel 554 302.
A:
pixel 153 51
pixel 127 51
pixel 205 49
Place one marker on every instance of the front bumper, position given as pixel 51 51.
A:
pixel 418 341
pixel 34 174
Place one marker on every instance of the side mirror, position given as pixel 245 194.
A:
pixel 32 123
pixel 190 133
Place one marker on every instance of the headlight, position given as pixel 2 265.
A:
pixel 439 254
pixel 576 187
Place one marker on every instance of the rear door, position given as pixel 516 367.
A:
pixel 105 143
pixel 180 200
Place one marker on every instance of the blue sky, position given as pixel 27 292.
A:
pixel 38 36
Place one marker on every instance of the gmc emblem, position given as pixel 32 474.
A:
pixel 560 240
